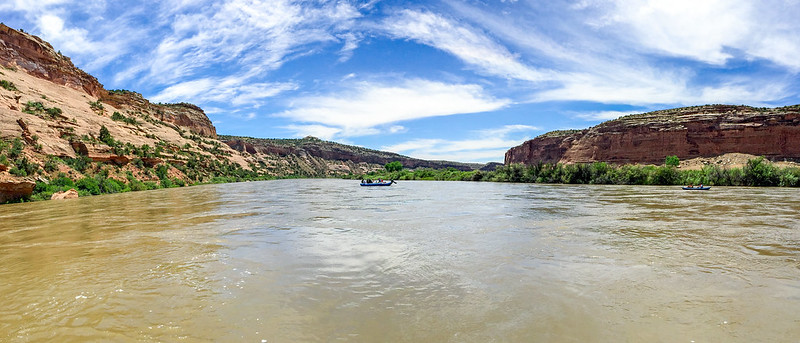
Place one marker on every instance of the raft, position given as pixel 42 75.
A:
pixel 696 188
pixel 385 183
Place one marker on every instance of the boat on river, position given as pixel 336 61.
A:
pixel 377 183
pixel 696 188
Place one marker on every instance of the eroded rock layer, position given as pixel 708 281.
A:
pixel 691 132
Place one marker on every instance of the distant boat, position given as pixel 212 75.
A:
pixel 696 188
pixel 377 183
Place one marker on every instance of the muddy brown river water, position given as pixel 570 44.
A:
pixel 327 260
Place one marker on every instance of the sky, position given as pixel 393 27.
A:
pixel 441 79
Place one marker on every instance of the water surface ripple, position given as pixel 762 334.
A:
pixel 327 260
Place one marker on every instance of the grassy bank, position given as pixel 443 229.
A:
pixel 757 172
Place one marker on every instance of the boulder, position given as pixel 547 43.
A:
pixel 12 189
pixel 70 194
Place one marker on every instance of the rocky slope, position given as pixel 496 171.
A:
pixel 690 132
pixel 314 157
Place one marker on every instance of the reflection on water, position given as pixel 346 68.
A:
pixel 327 260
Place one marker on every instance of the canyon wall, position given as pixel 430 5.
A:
pixel 316 157
pixel 690 132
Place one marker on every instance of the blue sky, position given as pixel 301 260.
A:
pixel 451 80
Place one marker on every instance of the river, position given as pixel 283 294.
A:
pixel 328 260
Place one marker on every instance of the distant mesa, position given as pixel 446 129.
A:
pixel 689 132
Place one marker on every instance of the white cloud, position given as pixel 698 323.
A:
pixel 713 31
pixel 350 44
pixel 697 29
pixel 601 115
pixel 488 145
pixel 320 131
pixel 69 39
pixel 507 129
pixel 366 105
pixel 652 87
pixel 614 51
pixel 468 44
pixel 230 90
pixel 250 37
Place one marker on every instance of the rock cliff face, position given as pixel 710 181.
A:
pixel 188 116
pixel 700 131
pixel 185 115
pixel 38 58
pixel 316 157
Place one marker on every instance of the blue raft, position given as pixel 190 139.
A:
pixel 385 183
pixel 696 188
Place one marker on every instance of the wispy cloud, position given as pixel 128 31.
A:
pixel 363 106
pixel 318 131
pixel 712 31
pixel 621 51
pixel 601 115
pixel 230 90
pixel 470 45
pixel 485 145
pixel 251 37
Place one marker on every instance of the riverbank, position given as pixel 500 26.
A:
pixel 756 172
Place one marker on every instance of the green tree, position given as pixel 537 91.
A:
pixel 395 166
pixel 759 172
pixel 672 161
pixel 105 136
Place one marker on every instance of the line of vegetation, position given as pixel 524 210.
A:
pixel 758 172
pixel 116 116
pixel 8 85
pixel 37 108
pixel 149 169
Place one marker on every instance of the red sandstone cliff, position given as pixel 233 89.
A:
pixel 700 131
pixel 184 115
pixel 38 58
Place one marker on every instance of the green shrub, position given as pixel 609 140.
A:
pixel 8 85
pixel 62 181
pixel 161 171
pixel 672 161
pixel 34 107
pixel 119 117
pixel 16 171
pixel 51 164
pixel 16 148
pixel 54 112
pixel 96 105
pixel 759 172
pixel 88 185
pixel 80 163
pixel 23 167
pixel 394 166
pixel 105 136
pixel 166 183
pixel 111 186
